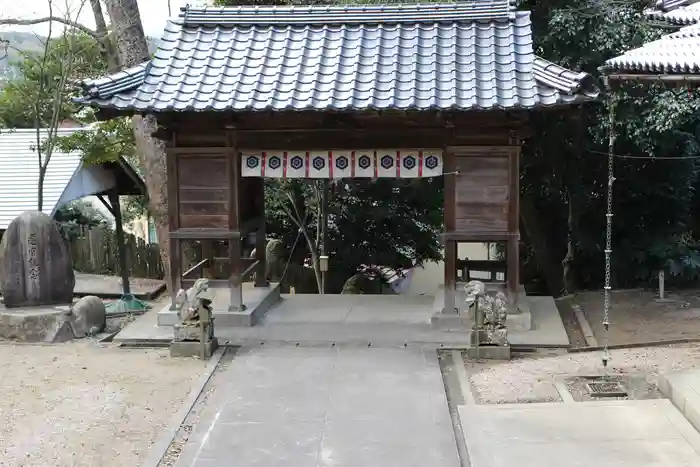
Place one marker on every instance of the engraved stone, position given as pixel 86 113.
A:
pixel 35 263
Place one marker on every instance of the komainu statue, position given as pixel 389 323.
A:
pixel 490 310
pixel 190 302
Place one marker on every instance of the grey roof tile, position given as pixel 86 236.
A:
pixel 678 53
pixel 470 55
pixel 675 12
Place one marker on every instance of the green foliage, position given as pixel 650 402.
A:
pixel 383 223
pixel 106 142
pixel 37 82
pixel 74 217
pixel 653 199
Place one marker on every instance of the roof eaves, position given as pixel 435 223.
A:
pixel 122 81
pixel 470 11
pixel 574 84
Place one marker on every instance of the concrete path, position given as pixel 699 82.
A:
pixel 647 433
pixel 327 406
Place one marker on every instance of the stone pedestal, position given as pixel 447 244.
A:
pixel 193 349
pixel 37 324
pixel 187 340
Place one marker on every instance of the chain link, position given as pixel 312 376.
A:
pixel 608 231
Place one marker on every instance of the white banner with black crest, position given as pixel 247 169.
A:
pixel 333 164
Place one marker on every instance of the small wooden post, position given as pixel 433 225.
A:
pixel 261 242
pixel 450 276
pixel 235 282
pixel 114 201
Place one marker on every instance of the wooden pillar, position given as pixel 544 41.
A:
pixel 513 244
pixel 123 266
pixel 235 281
pixel 261 241
pixel 175 245
pixel 450 276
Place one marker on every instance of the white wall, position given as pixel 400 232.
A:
pixel 427 279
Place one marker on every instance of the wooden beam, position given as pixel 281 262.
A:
pixel 175 245
pixel 655 78
pixel 106 204
pixel 123 266
pixel 261 240
pixel 450 305
pixel 513 242
pixel 234 224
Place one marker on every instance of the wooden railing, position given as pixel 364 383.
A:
pixel 465 268
pixel 197 270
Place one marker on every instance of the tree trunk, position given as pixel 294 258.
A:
pixel 105 42
pixel 132 49
pixel 550 268
pixel 569 258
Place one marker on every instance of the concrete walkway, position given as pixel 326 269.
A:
pixel 644 433
pixel 327 406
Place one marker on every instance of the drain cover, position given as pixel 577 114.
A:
pixel 606 389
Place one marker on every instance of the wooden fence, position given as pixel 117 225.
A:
pixel 95 251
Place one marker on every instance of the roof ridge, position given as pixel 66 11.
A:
pixel 470 11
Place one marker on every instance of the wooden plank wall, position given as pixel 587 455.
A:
pixel 481 193
pixel 203 191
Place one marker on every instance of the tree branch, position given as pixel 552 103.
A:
pixel 46 19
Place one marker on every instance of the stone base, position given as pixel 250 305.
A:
pixel 497 337
pixel 37 324
pixel 193 348
pixel 489 352
pixel 257 300
pixel 191 333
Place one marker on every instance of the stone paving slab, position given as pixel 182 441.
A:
pixel 683 389
pixel 645 433
pixel 383 320
pixel 320 407
pixel 111 286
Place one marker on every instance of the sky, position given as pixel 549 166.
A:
pixel 154 13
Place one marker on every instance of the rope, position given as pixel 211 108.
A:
pixel 608 228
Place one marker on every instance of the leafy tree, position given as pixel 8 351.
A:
pixel 564 168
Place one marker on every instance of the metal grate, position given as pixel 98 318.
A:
pixel 606 389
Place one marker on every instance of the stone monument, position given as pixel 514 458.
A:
pixel 35 263
pixel 194 334
pixel 36 280
pixel 489 336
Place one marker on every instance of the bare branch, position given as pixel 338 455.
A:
pixel 47 19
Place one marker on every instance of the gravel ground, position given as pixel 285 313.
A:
pixel 82 404
pixel 532 379
pixel 636 317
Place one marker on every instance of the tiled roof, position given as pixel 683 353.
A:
pixel 675 12
pixel 469 55
pixel 676 53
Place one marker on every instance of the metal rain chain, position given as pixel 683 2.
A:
pixel 608 227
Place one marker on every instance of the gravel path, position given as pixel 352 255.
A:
pixel 532 379
pixel 82 404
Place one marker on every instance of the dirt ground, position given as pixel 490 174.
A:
pixel 637 317
pixel 85 404
pixel 533 379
